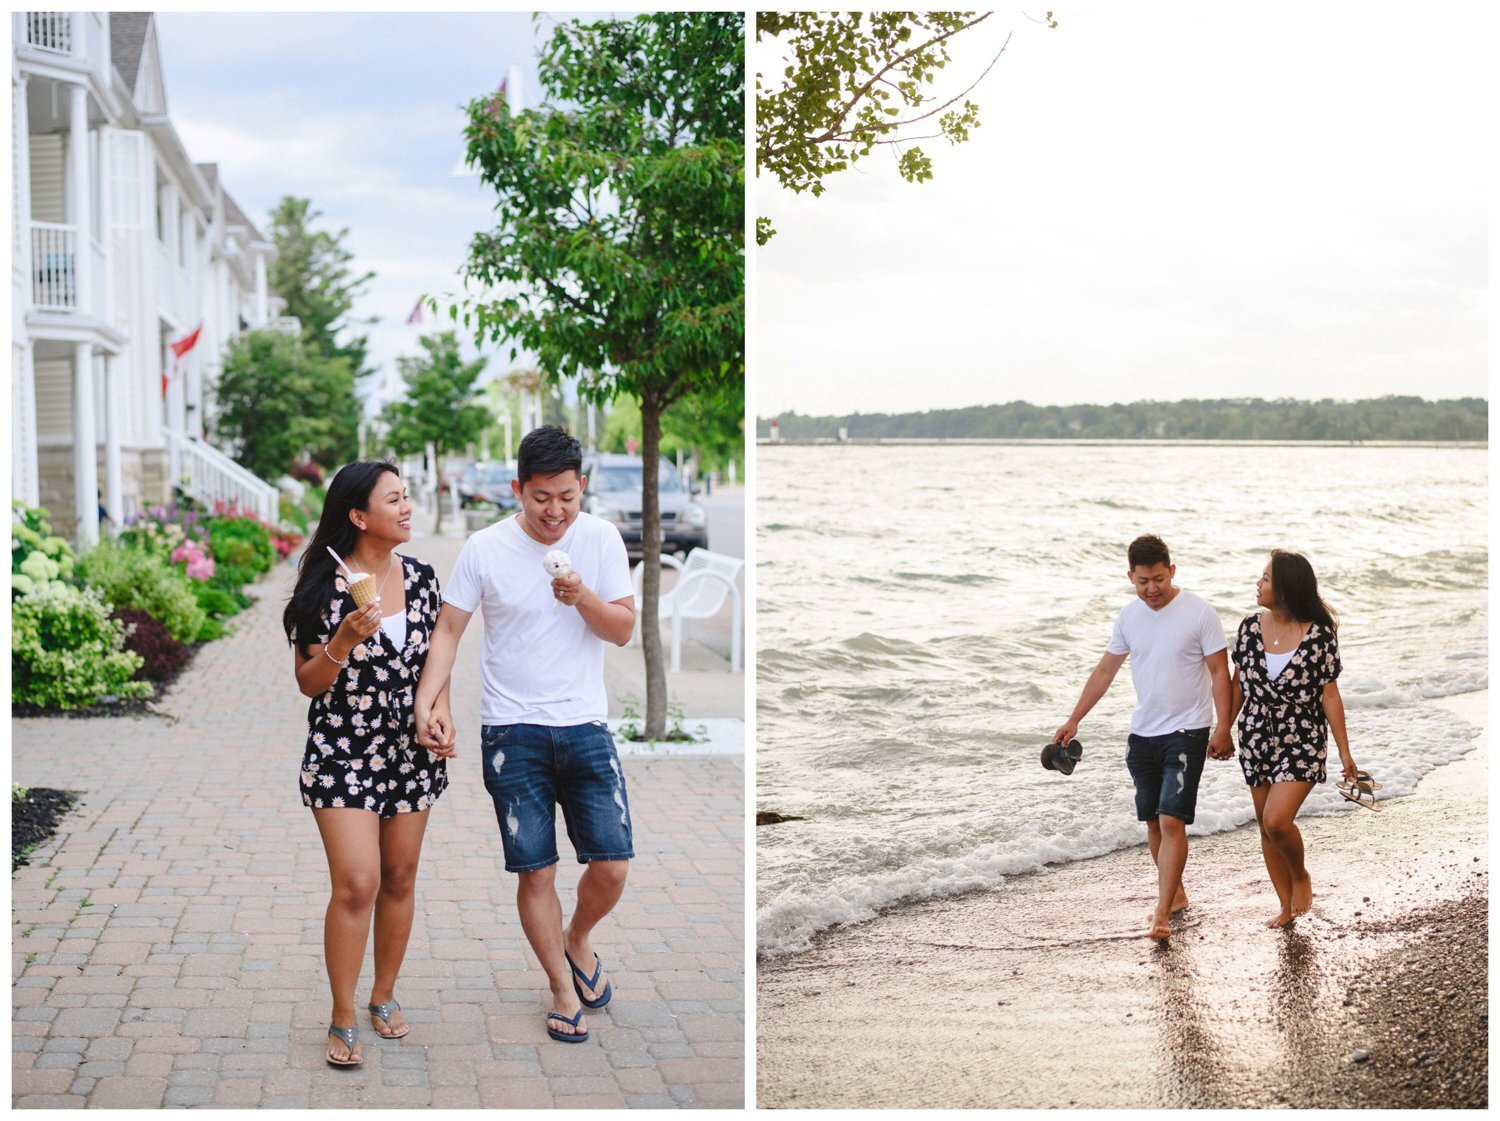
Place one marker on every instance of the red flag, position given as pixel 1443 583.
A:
pixel 416 315
pixel 179 350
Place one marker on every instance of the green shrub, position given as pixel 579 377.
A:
pixel 231 579
pixel 242 543
pixel 37 556
pixel 66 652
pixel 218 602
pixel 131 577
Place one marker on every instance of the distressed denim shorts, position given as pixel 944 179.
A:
pixel 530 768
pixel 1166 770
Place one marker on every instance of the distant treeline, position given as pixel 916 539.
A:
pixel 1382 418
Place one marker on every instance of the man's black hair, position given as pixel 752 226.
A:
pixel 548 450
pixel 1148 551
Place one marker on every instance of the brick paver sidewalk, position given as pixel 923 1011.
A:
pixel 167 944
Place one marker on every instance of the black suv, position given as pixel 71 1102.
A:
pixel 614 494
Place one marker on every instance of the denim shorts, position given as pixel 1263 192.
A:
pixel 530 768
pixel 1166 770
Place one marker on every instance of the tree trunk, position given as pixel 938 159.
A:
pixel 437 470
pixel 656 674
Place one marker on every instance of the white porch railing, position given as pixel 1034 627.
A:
pixel 54 266
pixel 50 31
pixel 210 476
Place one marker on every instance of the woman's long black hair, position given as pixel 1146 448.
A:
pixel 349 490
pixel 1294 591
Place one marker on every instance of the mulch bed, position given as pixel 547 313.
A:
pixel 33 821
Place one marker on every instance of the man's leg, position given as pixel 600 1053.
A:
pixel 1153 842
pixel 1171 858
pixel 599 890
pixel 541 919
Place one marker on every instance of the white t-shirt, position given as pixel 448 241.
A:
pixel 1173 688
pixel 540 663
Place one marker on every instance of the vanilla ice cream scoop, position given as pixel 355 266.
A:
pixel 557 563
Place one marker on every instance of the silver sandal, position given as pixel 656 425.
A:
pixel 383 1012
pixel 349 1037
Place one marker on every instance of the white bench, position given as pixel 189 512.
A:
pixel 706 579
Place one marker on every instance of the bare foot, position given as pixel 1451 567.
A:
pixel 1302 895
pixel 1180 903
pixel 1161 928
pixel 1283 919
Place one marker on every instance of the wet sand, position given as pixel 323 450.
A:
pixel 1046 993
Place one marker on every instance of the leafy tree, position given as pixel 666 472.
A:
pixel 855 81
pixel 619 233
pixel 311 272
pixel 439 407
pixel 278 398
pixel 710 426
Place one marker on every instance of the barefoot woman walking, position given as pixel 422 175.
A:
pixel 367 781
pixel 1285 690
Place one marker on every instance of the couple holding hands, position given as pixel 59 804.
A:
pixel 380 727
pixel 1283 689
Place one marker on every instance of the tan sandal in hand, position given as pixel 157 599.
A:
pixel 1360 790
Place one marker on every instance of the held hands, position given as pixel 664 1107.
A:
pixel 436 733
pixel 1220 746
pixel 568 589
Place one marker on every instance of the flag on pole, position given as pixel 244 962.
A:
pixel 179 350
pixel 415 318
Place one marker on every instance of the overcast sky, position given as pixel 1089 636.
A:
pixel 362 113
pixel 1163 201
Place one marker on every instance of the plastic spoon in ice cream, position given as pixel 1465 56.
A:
pixel 338 560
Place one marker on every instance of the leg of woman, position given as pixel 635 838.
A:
pixel 1279 825
pixel 351 838
pixel 400 847
pixel 1276 865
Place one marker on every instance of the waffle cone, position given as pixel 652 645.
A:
pixel 363 591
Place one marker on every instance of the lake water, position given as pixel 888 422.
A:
pixel 926 617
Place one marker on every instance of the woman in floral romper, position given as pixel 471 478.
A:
pixel 367 781
pixel 1285 690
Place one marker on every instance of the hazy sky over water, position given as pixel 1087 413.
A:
pixel 362 112
pixel 1162 202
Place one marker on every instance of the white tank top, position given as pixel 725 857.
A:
pixel 1275 663
pixel 395 628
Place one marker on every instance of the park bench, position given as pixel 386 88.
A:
pixel 705 580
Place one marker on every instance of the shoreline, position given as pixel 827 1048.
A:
pixel 1045 993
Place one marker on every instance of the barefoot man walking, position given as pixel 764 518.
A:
pixel 1178 663
pixel 543 740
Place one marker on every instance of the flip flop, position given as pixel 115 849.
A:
pixel 1360 790
pixel 349 1037
pixel 383 1012
pixel 1062 757
pixel 591 982
pixel 562 1036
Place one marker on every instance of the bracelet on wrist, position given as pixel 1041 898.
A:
pixel 334 660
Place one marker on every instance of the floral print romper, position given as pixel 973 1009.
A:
pixel 1283 730
pixel 362 750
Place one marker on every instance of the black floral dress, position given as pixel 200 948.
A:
pixel 362 750
pixel 1283 730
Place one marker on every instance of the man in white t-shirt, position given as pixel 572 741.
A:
pixel 1176 647
pixel 544 740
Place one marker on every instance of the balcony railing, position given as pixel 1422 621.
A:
pixel 54 266
pixel 50 31
pixel 210 476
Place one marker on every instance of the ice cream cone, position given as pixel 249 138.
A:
pixel 363 589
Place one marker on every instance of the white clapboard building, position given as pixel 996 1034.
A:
pixel 122 249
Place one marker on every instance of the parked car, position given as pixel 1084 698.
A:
pixel 614 494
pixel 489 485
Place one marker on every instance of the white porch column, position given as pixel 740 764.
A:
pixel 85 455
pixel 25 475
pixel 114 409
pixel 21 189
pixel 80 213
pixel 261 288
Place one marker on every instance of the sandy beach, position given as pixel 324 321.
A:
pixel 1046 994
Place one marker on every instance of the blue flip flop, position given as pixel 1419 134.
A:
pixel 591 982
pixel 562 1036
